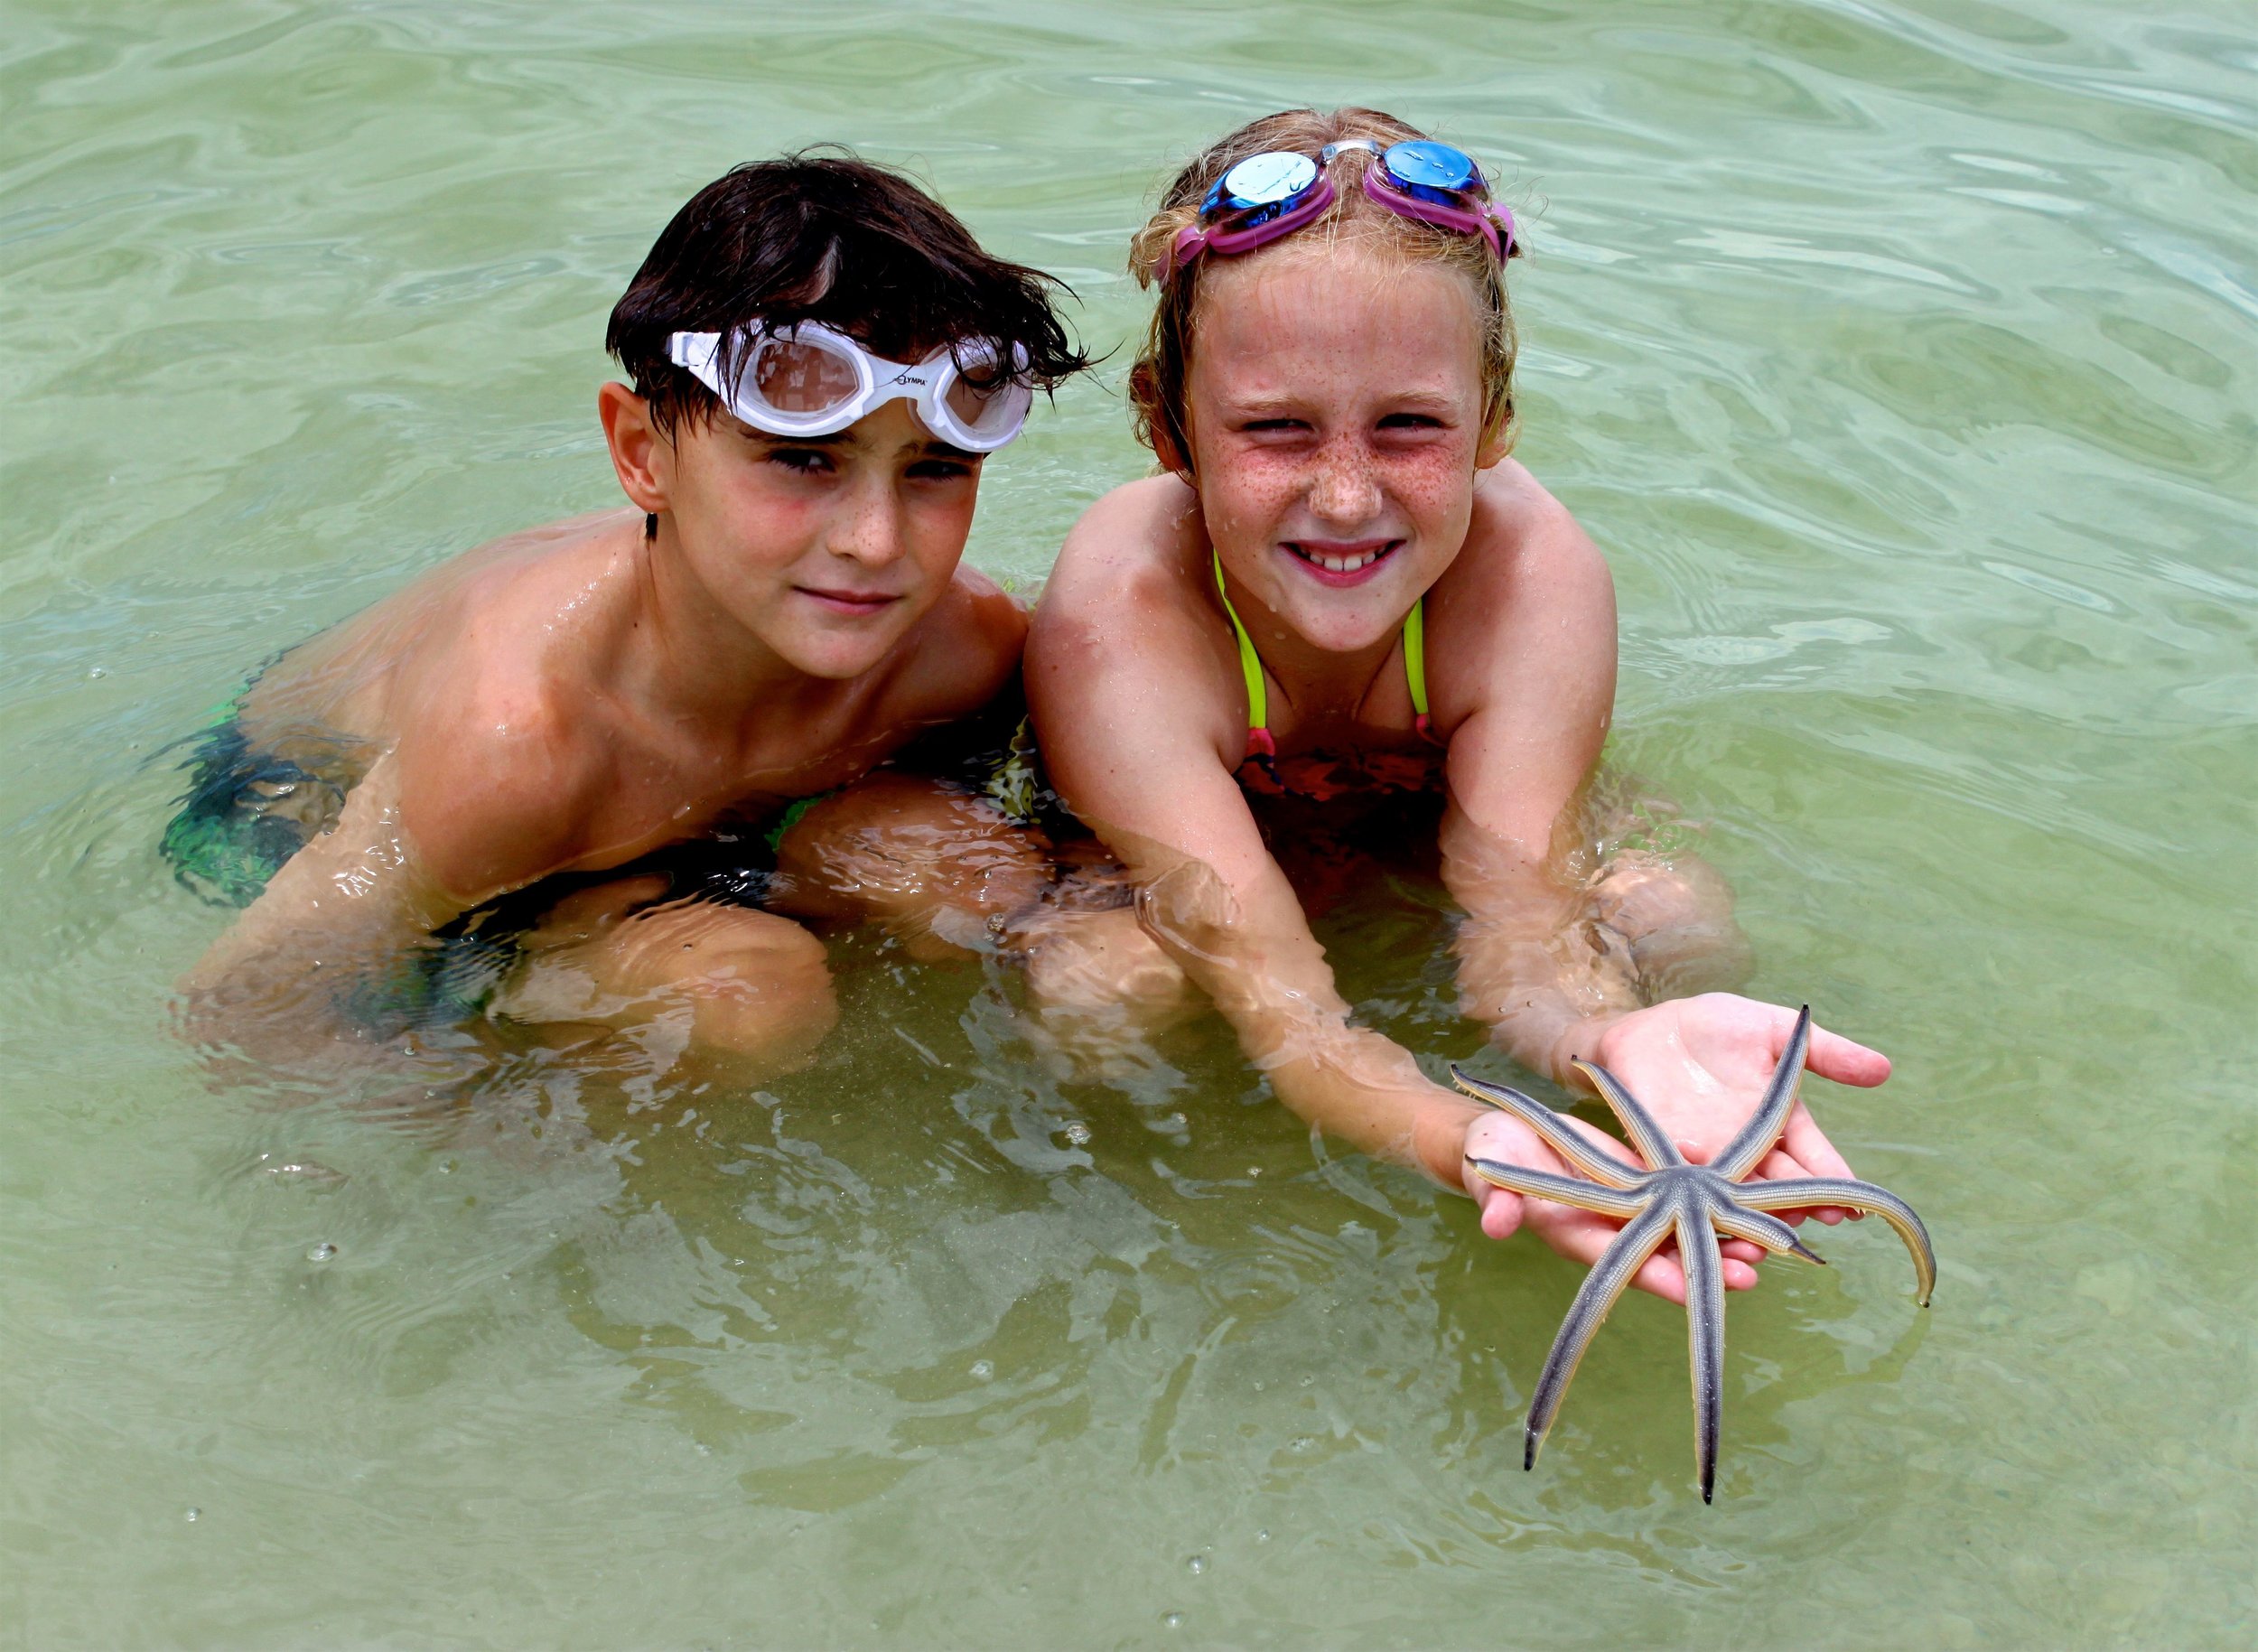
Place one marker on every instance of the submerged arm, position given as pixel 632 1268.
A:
pixel 328 955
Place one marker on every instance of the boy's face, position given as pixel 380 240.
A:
pixel 1335 410
pixel 828 549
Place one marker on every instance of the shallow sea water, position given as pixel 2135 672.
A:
pixel 1902 358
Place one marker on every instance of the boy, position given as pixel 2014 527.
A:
pixel 591 773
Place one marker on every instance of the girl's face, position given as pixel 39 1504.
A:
pixel 1334 402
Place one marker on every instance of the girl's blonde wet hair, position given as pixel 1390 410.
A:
pixel 1156 382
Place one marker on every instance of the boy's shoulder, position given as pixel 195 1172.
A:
pixel 504 760
pixel 963 653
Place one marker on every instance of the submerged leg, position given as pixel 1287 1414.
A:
pixel 748 982
pixel 1798 1194
pixel 1705 1335
pixel 1621 1259
pixel 926 861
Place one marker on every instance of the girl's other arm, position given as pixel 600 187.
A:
pixel 1539 960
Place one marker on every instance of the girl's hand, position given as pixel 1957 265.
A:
pixel 1701 1065
pixel 1579 1235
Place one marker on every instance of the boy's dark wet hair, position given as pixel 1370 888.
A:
pixel 830 239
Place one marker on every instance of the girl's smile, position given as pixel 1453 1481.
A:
pixel 1342 565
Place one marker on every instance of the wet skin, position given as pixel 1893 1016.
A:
pixel 1693 1203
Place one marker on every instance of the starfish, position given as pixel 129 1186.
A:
pixel 1695 1202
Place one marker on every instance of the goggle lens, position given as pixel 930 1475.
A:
pixel 802 378
pixel 1265 180
pixel 988 405
pixel 1423 164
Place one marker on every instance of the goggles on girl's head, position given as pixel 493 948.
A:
pixel 808 380
pixel 1274 193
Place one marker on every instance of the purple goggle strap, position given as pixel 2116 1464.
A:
pixel 1192 240
pixel 1484 223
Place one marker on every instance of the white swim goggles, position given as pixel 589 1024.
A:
pixel 808 380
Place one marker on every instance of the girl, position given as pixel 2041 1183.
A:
pixel 1342 588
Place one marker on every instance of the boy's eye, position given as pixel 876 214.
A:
pixel 1269 426
pixel 802 460
pixel 1411 421
pixel 940 470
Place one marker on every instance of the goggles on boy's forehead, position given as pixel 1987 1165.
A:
pixel 808 380
pixel 1274 193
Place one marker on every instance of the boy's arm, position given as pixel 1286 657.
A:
pixel 1540 959
pixel 329 956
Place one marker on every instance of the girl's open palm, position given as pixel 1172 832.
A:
pixel 1701 1065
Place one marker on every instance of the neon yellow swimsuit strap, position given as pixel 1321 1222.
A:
pixel 1415 658
pixel 1250 666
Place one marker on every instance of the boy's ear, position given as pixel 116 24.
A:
pixel 640 453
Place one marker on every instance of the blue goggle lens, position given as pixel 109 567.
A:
pixel 1263 181
pixel 1426 164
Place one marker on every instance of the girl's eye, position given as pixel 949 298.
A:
pixel 940 470
pixel 802 460
pixel 1270 426
pixel 1411 421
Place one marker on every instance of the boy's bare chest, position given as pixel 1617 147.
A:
pixel 679 787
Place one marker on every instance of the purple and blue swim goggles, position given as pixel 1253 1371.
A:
pixel 1272 194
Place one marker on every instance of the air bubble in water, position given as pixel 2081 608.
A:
pixel 1263 1536
pixel 1079 1134
pixel 1196 1564
pixel 322 1251
pixel 192 1514
pixel 983 1369
pixel 1171 1620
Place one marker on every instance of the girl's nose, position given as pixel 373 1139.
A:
pixel 1343 491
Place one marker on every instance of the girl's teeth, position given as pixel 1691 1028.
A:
pixel 1345 565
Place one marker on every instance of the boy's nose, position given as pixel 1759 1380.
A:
pixel 868 527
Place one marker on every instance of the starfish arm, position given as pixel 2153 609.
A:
pixel 1747 1149
pixel 1555 1129
pixel 1652 1142
pixel 1759 1229
pixel 1705 1333
pixel 1806 1193
pixel 1623 1257
pixel 1584 1195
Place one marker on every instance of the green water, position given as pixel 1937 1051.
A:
pixel 1902 356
